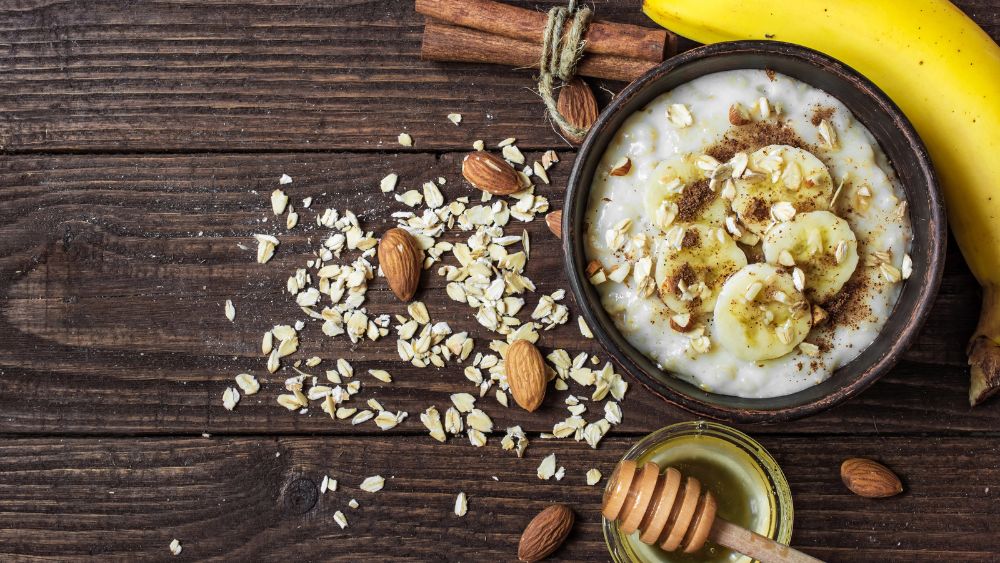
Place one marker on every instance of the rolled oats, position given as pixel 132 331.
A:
pixel 547 468
pixel 372 484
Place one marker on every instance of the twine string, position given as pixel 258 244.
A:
pixel 560 56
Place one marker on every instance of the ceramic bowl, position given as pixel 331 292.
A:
pixel 898 140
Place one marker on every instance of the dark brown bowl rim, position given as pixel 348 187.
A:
pixel 686 395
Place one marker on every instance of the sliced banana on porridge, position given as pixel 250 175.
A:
pixel 679 192
pixel 760 315
pixel 821 245
pixel 692 264
pixel 780 181
pixel 703 202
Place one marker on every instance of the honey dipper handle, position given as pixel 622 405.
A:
pixel 756 546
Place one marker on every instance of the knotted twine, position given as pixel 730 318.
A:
pixel 560 55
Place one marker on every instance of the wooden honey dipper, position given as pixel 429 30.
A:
pixel 675 512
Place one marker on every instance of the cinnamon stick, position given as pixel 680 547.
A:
pixel 602 38
pixel 443 42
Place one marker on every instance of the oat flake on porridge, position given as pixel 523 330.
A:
pixel 795 182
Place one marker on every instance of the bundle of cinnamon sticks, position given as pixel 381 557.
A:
pixel 484 31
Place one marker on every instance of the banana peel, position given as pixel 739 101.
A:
pixel 984 350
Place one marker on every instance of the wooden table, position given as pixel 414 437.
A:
pixel 140 142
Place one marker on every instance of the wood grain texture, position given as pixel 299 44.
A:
pixel 114 267
pixel 180 75
pixel 248 75
pixel 114 271
pixel 228 498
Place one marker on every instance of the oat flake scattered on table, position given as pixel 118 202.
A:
pixel 485 270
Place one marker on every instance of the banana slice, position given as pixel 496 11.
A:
pixel 680 192
pixel 692 264
pixel 760 315
pixel 780 181
pixel 821 245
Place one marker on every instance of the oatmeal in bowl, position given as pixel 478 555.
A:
pixel 743 231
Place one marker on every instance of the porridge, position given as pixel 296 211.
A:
pixel 747 234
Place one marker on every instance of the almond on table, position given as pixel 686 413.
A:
pixel 868 478
pixel 400 259
pixel 526 374
pixel 490 173
pixel 487 270
pixel 545 533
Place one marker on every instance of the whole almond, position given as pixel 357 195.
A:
pixel 400 258
pixel 870 479
pixel 545 533
pixel 526 374
pixel 554 221
pixel 490 173
pixel 578 105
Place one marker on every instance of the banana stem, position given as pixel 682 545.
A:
pixel 984 348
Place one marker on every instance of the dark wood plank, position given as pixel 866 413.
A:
pixel 113 271
pixel 257 498
pixel 176 75
pixel 248 75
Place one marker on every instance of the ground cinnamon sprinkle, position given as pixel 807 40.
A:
pixel 820 114
pixel 694 198
pixel 724 149
pixel 753 136
pixel 685 273
pixel 758 210
pixel 691 238
pixel 821 336
pixel 848 306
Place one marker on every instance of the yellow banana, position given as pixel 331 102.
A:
pixel 940 68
